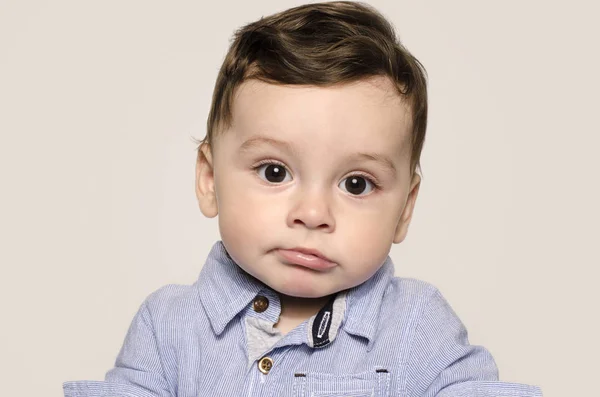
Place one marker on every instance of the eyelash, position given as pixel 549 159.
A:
pixel 375 182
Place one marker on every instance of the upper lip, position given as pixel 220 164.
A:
pixel 310 251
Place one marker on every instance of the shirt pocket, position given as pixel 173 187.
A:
pixel 373 383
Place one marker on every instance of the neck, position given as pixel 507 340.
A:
pixel 295 311
pixel 301 308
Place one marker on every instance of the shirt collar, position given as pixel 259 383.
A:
pixel 225 290
pixel 364 303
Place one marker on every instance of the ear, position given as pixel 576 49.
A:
pixel 402 227
pixel 205 182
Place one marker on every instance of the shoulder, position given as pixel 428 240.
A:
pixel 413 301
pixel 411 292
pixel 171 294
pixel 423 312
pixel 172 302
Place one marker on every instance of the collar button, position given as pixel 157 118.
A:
pixel 261 303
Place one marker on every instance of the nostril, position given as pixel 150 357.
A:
pixel 320 226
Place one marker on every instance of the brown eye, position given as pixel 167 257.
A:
pixel 356 185
pixel 273 172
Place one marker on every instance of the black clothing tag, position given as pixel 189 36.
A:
pixel 322 324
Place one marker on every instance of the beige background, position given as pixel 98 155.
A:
pixel 98 104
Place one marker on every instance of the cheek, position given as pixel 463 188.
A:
pixel 246 214
pixel 368 238
pixel 372 225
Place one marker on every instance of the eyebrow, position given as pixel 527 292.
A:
pixel 383 161
pixel 256 141
pixel 262 140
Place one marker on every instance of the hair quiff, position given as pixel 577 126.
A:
pixel 321 44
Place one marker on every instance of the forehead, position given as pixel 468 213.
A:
pixel 367 113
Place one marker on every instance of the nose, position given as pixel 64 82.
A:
pixel 313 211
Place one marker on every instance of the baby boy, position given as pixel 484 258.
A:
pixel 310 162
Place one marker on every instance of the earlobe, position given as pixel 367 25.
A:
pixel 405 218
pixel 205 182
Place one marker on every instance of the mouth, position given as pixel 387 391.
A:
pixel 306 257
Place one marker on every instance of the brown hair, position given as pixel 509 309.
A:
pixel 321 44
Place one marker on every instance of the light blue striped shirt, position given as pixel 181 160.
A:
pixel 389 336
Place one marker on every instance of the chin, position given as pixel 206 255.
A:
pixel 305 294
pixel 300 289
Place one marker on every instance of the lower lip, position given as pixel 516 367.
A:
pixel 306 260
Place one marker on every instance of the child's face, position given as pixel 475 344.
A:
pixel 327 146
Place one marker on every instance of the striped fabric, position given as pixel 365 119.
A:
pixel 393 337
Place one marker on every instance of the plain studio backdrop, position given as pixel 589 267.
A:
pixel 99 102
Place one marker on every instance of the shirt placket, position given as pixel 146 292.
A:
pixel 267 368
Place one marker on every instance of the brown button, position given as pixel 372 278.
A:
pixel 265 364
pixel 261 304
